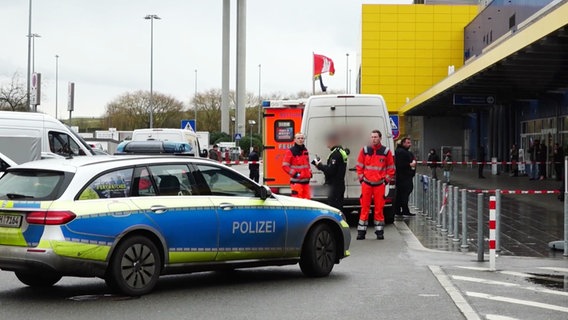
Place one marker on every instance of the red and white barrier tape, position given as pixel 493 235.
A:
pixel 240 162
pixel 514 191
pixel 485 162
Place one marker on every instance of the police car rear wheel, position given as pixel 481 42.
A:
pixel 39 279
pixel 135 266
pixel 319 252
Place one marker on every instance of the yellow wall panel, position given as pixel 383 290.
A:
pixel 407 48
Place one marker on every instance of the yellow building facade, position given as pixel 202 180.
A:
pixel 405 49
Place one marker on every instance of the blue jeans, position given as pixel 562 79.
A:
pixel 534 171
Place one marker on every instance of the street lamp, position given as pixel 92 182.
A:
pixel 28 87
pixel 195 97
pixel 233 120
pixel 251 123
pixel 34 35
pixel 347 75
pixel 259 101
pixel 151 17
pixel 56 83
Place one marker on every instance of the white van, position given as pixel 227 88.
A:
pixel 37 135
pixel 169 134
pixel 353 117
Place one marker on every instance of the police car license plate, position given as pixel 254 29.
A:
pixel 10 221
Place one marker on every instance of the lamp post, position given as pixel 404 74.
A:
pixel 34 35
pixel 251 123
pixel 347 74
pixel 233 119
pixel 56 84
pixel 151 17
pixel 259 100
pixel 195 104
pixel 28 88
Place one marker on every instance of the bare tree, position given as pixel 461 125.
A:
pixel 132 110
pixel 13 95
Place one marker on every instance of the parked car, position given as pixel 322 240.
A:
pixel 130 219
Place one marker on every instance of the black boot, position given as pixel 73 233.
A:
pixel 361 234
pixel 380 234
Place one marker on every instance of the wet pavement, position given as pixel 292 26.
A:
pixel 528 221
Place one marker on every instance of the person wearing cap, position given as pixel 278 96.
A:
pixel 334 171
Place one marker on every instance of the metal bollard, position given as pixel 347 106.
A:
pixel 456 211
pixel 480 239
pixel 428 198
pixel 498 220
pixel 464 244
pixel 445 214
pixel 438 210
pixel 444 208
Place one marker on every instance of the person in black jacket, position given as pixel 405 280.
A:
pixel 405 170
pixel 334 171
pixel 254 166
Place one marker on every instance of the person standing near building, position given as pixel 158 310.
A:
pixel 558 158
pixel 296 164
pixel 334 171
pixel 254 166
pixel 375 168
pixel 480 161
pixel 405 164
pixel 433 163
pixel 447 166
pixel 514 158
pixel 541 155
pixel 533 152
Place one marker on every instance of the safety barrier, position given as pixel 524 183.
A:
pixel 438 203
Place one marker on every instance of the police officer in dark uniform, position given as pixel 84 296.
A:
pixel 405 170
pixel 334 171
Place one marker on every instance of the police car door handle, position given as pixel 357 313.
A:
pixel 159 209
pixel 226 206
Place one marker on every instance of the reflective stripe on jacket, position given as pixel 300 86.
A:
pixel 296 163
pixel 375 165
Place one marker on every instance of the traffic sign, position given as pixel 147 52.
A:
pixel 188 124
pixel 237 136
pixel 394 127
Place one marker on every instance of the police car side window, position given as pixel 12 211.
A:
pixel 114 184
pixel 224 182
pixel 165 177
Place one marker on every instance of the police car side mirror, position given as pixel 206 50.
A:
pixel 203 153
pixel 347 151
pixel 265 192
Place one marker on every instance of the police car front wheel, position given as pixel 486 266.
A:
pixel 135 266
pixel 319 252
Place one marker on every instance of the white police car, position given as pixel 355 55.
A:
pixel 130 219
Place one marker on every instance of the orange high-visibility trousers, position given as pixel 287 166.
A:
pixel 376 193
pixel 301 190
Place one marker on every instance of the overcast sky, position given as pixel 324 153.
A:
pixel 104 46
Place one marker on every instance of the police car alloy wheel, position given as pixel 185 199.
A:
pixel 319 252
pixel 135 266
pixel 43 279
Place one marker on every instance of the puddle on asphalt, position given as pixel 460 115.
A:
pixel 550 281
pixel 99 297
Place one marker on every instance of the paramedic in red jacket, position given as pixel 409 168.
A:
pixel 296 163
pixel 375 169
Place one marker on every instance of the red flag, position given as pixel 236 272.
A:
pixel 323 64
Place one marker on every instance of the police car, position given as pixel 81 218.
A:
pixel 129 219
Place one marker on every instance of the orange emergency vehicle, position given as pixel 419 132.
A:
pixel 282 119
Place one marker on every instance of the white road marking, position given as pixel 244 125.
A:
pixel 498 317
pixel 527 303
pixel 473 268
pixel 508 284
pixel 454 293
pixel 555 269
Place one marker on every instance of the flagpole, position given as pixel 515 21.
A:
pixel 313 79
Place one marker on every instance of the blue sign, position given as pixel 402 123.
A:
pixel 190 123
pixel 394 127
pixel 473 99
pixel 237 136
